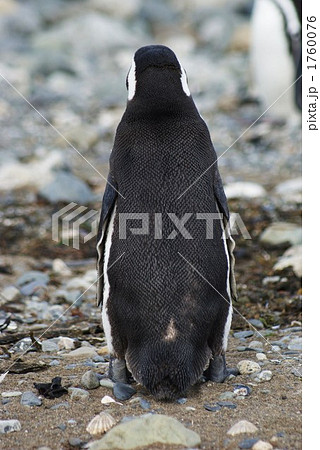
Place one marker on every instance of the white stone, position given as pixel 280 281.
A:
pixel 244 190
pixel 265 375
pixel 82 352
pixel 291 258
pixel 7 426
pixel 246 367
pixel 7 394
pixel 60 267
pixel 261 356
pixel 243 426
pixel 11 293
pixel 279 233
pixel 290 190
pixel 65 343
pixel 262 445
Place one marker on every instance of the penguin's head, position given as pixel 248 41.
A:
pixel 156 73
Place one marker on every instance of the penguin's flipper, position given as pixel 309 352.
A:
pixel 217 370
pixel 223 208
pixel 108 205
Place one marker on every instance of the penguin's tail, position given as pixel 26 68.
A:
pixel 168 372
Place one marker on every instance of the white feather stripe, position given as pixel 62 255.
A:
pixel 106 287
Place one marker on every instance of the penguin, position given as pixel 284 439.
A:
pixel 275 55
pixel 166 296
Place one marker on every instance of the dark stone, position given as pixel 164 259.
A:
pixel 248 443
pixel 227 405
pixel 212 408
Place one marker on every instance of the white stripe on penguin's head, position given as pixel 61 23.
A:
pixel 132 80
pixel 184 81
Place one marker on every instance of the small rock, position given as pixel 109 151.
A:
pixel 291 258
pixel 10 294
pixel 90 380
pixel 81 352
pixel 60 405
pixel 60 267
pixel 244 190
pixel 247 443
pixel 227 405
pixel 246 367
pixel 212 408
pixel 78 394
pixel 262 445
pixel 182 401
pixel 243 334
pixel 106 382
pixel 8 394
pixel 123 391
pixel 54 362
pixel 243 426
pixel 66 343
pixel 8 426
pixel 49 345
pixel 261 356
pixel 62 426
pixel 256 322
pixel 265 375
pixel 255 344
pixel 269 280
pixel 75 442
pixel 190 408
pixel 144 404
pixel 66 187
pixel 146 431
pixel 290 190
pixel 281 233
pixel 30 399
pixel 226 395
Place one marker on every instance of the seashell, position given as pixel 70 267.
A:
pixel 106 400
pixel 242 427
pixel 101 423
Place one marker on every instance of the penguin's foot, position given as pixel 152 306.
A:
pixel 217 370
pixel 118 371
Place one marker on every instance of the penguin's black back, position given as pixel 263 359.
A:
pixel 163 314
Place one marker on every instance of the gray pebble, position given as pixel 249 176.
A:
pixel 78 394
pixel 247 443
pixel 60 405
pixel 30 399
pixel 243 334
pixel 71 366
pixel 90 380
pixel 212 408
pixel 123 391
pixel 49 345
pixel 144 404
pixel 256 323
pixel 55 362
pixel 62 426
pixel 182 400
pixel 75 442
pixel 227 405
pixel 226 395
pixel 106 382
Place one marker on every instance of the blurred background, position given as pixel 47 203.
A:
pixel 69 59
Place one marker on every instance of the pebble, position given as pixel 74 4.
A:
pixel 30 399
pixel 256 322
pixel 76 442
pixel 144 403
pixel 106 382
pixel 243 334
pixel 261 356
pixel 55 362
pixel 78 394
pixel 280 233
pixel 265 375
pixel 255 344
pixel 243 426
pixel 295 344
pixel 66 343
pixel 182 401
pixel 262 445
pixel 10 294
pixel 62 426
pixel 244 190
pixel 60 405
pixel 66 187
pixel 147 430
pixel 8 394
pixel 247 443
pixel 90 380
pixel 227 405
pixel 81 352
pixel 212 408
pixel 123 391
pixel 49 345
pixel 8 426
pixel 246 367
pixel 291 258
pixel 226 395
